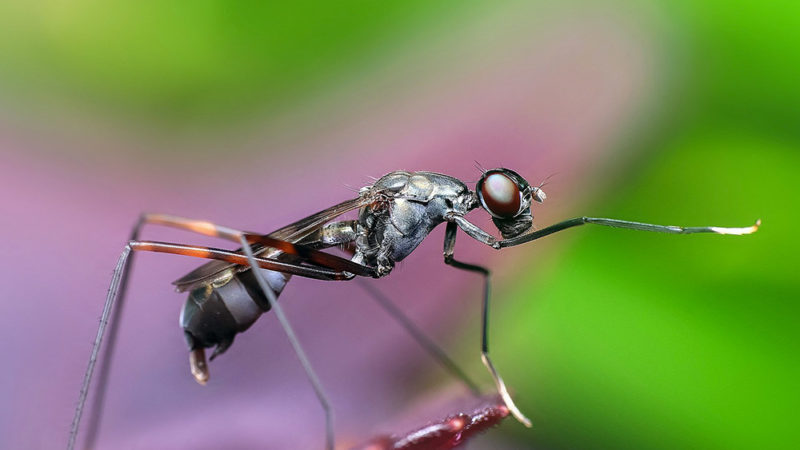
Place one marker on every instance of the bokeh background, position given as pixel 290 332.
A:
pixel 254 115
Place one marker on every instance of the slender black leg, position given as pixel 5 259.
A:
pixel 449 246
pixel 96 410
pixel 482 236
pixel 116 281
pixel 615 223
pixel 422 339
pixel 301 355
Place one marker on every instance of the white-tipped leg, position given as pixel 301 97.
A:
pixel 614 223
pixel 501 388
pixel 449 246
pixel 737 231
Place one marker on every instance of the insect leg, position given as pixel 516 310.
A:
pixel 301 355
pixel 343 232
pixel 422 339
pixel 118 283
pixel 449 245
pixel 305 252
pixel 480 235
pixel 203 227
pixel 108 355
pixel 337 233
pixel 197 226
pixel 623 224
pixel 317 272
pixel 117 279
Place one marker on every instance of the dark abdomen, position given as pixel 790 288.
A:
pixel 214 314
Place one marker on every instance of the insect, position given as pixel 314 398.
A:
pixel 395 213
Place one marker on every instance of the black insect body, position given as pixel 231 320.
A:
pixel 228 294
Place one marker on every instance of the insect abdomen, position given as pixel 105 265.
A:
pixel 214 314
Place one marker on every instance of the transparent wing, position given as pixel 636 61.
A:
pixel 293 233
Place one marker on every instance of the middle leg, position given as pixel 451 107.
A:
pixel 298 349
pixel 449 246
pixel 422 339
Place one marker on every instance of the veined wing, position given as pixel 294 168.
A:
pixel 293 233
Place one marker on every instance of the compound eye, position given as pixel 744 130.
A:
pixel 501 195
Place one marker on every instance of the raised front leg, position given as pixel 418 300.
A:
pixel 481 235
pixel 616 223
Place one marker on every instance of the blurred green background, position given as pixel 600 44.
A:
pixel 669 343
pixel 610 339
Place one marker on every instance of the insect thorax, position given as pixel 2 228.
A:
pixel 414 204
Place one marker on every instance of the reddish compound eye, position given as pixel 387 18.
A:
pixel 501 195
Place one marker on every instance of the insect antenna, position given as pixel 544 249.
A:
pixel 546 181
